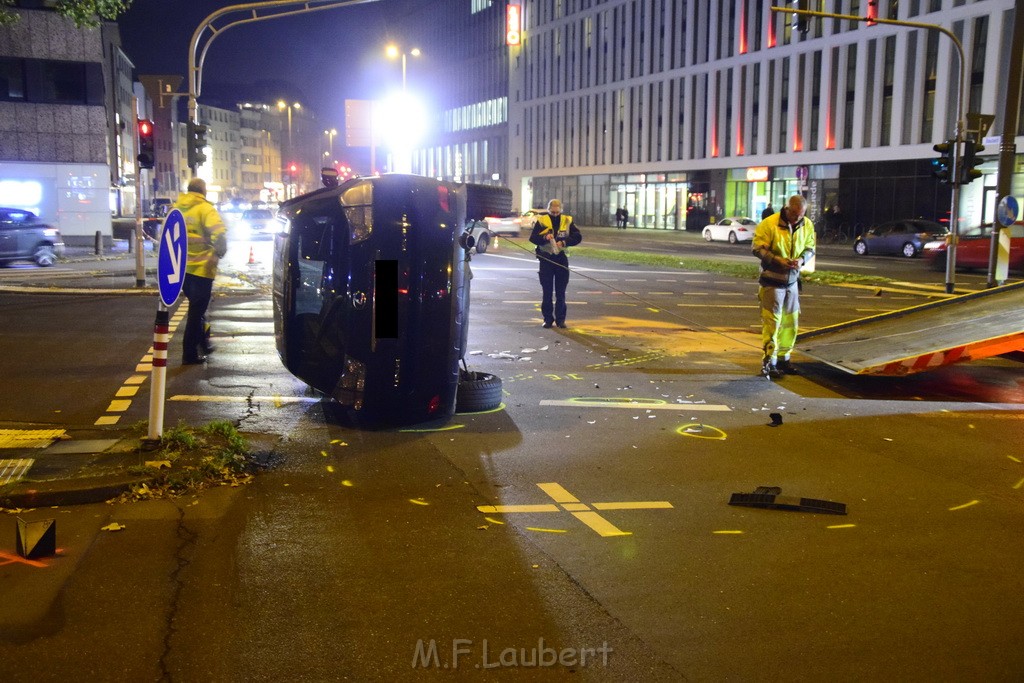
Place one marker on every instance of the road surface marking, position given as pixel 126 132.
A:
pixel 965 505
pixel 728 531
pixel 841 526
pixel 1019 484
pixel 633 404
pixel 567 502
pixel 14 470
pixel 243 399
pixel 28 438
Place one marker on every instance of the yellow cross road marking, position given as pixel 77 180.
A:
pixel 558 493
pixel 107 420
pixel 567 502
pixel 118 406
pixel 135 379
pixel 125 392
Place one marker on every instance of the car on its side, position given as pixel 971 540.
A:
pixel 972 250
pixel 256 224
pixel 733 230
pixel 904 237
pixel 23 237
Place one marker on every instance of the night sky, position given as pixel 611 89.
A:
pixel 327 56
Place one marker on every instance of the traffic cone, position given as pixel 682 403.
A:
pixel 252 258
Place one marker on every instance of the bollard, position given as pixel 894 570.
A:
pixel 99 243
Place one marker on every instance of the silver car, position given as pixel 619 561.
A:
pixel 23 237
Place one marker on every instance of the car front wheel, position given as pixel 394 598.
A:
pixel 483 243
pixel 909 250
pixel 707 235
pixel 861 247
pixel 44 255
pixel 478 392
pixel 732 238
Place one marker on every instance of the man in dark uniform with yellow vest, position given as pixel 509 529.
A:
pixel 207 243
pixel 553 233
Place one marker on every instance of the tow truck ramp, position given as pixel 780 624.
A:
pixel 924 337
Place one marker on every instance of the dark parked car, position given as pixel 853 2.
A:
pixel 371 296
pixel 23 237
pixel 905 237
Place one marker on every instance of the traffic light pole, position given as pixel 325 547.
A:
pixel 255 11
pixel 140 255
pixel 954 219
pixel 999 258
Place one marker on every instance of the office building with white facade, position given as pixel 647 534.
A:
pixel 683 109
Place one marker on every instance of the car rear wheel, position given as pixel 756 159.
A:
pixel 861 247
pixel 487 200
pixel 478 392
pixel 732 238
pixel 707 235
pixel 44 255
pixel 482 243
pixel 909 250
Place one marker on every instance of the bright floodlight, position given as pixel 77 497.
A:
pixel 400 121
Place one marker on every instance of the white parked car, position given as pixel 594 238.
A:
pixel 732 230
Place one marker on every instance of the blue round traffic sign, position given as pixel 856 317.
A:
pixel 1007 211
pixel 172 258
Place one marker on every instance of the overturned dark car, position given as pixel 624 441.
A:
pixel 371 296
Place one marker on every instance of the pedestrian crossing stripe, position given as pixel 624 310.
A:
pixel 29 438
pixel 14 470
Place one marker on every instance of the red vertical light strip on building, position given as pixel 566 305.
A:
pixel 714 139
pixel 872 12
pixel 830 137
pixel 739 138
pixel 770 18
pixel 743 29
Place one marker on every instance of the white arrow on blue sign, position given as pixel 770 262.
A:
pixel 170 267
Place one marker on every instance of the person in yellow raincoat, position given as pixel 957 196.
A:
pixel 785 243
pixel 207 244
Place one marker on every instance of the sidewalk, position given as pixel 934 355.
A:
pixel 51 467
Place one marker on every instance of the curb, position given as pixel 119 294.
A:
pixel 79 491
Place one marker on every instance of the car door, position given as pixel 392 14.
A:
pixel 8 236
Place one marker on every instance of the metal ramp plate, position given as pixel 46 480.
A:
pixel 967 327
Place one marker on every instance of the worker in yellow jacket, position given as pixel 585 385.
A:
pixel 207 243
pixel 785 243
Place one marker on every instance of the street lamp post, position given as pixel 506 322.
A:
pixel 402 158
pixel 282 105
pixel 393 51
pixel 330 144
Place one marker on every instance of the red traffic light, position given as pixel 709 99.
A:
pixel 145 127
pixel 293 168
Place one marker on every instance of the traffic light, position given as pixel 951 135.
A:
pixel 941 167
pixel 968 167
pixel 872 12
pixel 196 134
pixel 801 22
pixel 147 155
